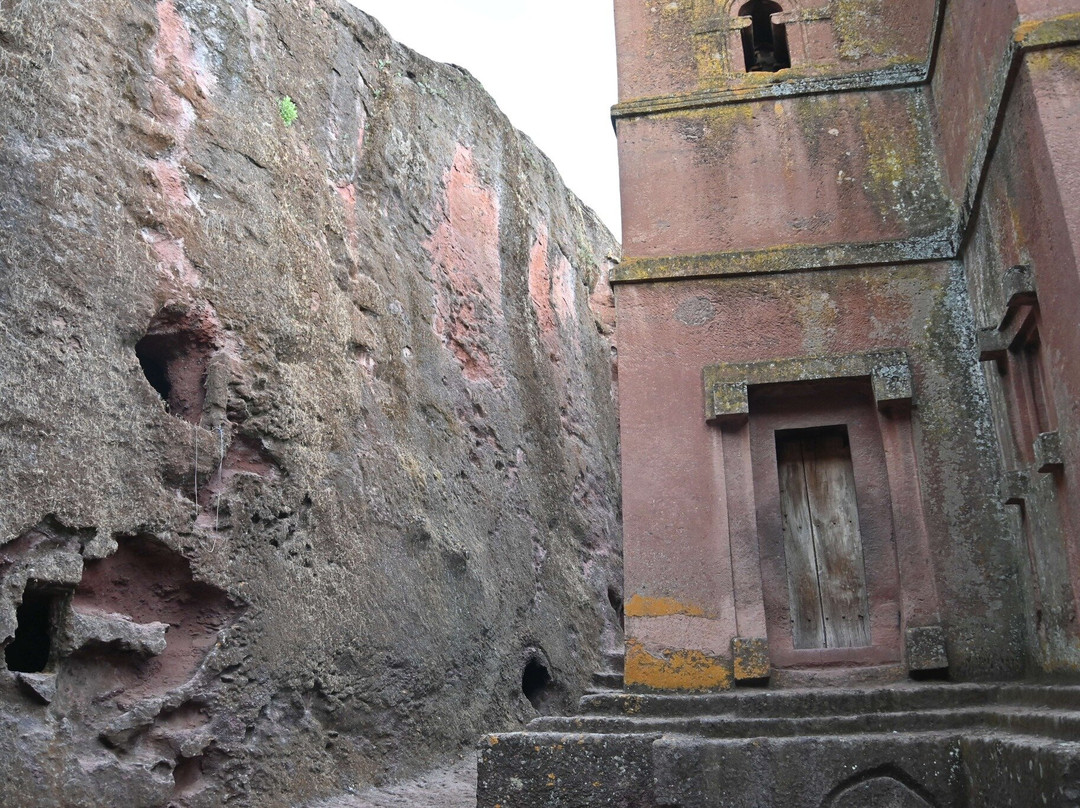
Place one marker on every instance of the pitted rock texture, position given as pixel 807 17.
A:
pixel 329 407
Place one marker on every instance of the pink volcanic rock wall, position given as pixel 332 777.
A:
pixel 308 432
pixel 668 47
pixel 934 173
pixel 679 544
pixel 1026 217
pixel 763 174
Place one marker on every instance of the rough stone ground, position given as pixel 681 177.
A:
pixel 449 786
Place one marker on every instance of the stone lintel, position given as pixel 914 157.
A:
pixel 925 648
pixel 790 258
pixel 1048 455
pixel 751 658
pixel 806 15
pixel 58 569
pixel 719 23
pixel 727 385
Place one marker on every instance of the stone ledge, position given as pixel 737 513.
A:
pixel 791 258
pixel 727 385
pixel 87 629
pixel 1049 458
pixel 784 84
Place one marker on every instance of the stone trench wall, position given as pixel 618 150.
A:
pixel 308 432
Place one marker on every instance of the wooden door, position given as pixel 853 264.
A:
pixel 822 542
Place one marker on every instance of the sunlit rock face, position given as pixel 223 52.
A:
pixel 308 430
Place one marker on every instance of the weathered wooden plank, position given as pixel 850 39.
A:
pixel 807 621
pixel 834 515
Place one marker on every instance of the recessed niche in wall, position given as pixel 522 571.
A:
pixel 616 601
pixel 765 46
pixel 31 649
pixel 174 356
pixel 543 691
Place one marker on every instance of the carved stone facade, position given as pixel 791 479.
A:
pixel 813 247
pixel 849 363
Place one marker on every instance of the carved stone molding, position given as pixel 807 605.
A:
pixel 727 386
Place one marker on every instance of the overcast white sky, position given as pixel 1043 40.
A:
pixel 549 64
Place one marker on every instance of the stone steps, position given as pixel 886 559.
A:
pixel 609 680
pixel 1058 724
pixel 654 750
pixel 804 702
pixel 816 702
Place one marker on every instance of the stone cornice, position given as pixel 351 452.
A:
pixel 793 258
pixel 898 76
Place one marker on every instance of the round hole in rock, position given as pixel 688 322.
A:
pixel 538 686
pixel 174 355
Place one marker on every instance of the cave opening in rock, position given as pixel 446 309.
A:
pixel 155 365
pixel 615 599
pixel 31 649
pixel 174 355
pixel 537 685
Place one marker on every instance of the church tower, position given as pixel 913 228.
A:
pixel 849 382
pixel 813 472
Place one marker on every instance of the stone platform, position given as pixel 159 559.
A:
pixel 913 745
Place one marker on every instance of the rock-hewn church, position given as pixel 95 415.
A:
pixel 848 365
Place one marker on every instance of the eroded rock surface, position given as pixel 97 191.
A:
pixel 308 432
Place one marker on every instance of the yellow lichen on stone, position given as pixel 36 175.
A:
pixel 1044 32
pixel 751 658
pixel 676 669
pixel 859 30
pixel 641 606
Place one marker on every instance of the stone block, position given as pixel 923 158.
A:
pixel 1018 287
pixel 808 772
pixel 40 686
pixel 925 647
pixel 1014 487
pixel 1049 458
pixel 993 344
pixel 892 383
pixel 751 658
pixel 729 402
pixel 1018 771
pixel 83 629
pixel 523 769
